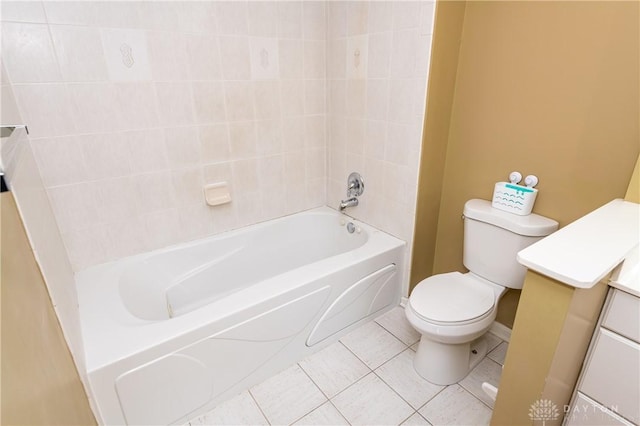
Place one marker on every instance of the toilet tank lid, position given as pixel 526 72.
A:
pixel 532 225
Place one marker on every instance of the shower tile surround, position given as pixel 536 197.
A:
pixel 377 65
pixel 134 106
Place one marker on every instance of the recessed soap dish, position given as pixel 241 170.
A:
pixel 217 193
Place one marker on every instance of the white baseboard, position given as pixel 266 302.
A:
pixel 501 330
pixel 404 301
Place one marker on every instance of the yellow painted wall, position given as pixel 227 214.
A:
pixel 39 381
pixel 633 191
pixel 546 88
pixel 442 79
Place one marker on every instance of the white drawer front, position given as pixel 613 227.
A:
pixel 623 315
pixel 586 412
pixel 612 374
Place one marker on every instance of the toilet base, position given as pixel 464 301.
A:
pixel 446 364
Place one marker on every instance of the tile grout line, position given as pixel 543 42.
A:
pixel 464 388
pixel 431 399
pixel 394 336
pixel 473 395
pixel 500 341
pixel 492 360
pixel 322 392
pixel 421 406
pixel 486 357
pixel 359 359
pixel 259 407
pixel 343 390
pixel 373 371
pixel 315 384
pixel 357 381
pixel 339 412
pixel 393 357
pixel 401 397
pixel 365 364
pixel 391 332
pixel 495 349
pixel 408 417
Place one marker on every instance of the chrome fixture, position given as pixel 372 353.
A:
pixel 355 188
pixel 351 202
pixel 351 227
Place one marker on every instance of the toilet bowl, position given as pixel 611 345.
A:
pixel 453 311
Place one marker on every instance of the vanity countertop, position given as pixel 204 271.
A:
pixel 584 252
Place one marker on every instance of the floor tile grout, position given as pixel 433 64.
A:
pixel 393 357
pixel 342 391
pixel 492 360
pixel 468 390
pixel 315 384
pixel 408 347
pixel 341 415
pixel 375 371
pixel 330 399
pixel 354 354
pixel 401 397
pixel 473 395
pixel 391 332
pixel 408 417
pixel 432 398
pixel 259 407
pixel 364 362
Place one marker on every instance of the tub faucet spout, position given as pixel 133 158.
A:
pixel 351 202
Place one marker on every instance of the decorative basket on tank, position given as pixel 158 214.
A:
pixel 514 198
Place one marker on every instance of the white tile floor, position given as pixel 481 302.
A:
pixel 367 378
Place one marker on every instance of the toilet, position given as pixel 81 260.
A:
pixel 453 311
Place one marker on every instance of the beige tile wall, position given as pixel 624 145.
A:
pixel 133 106
pixel 377 62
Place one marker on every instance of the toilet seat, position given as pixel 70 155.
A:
pixel 452 299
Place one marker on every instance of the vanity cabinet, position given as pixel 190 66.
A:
pixel 608 390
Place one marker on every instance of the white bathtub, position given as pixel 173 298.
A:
pixel 172 333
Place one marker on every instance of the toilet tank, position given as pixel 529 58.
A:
pixel 492 239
